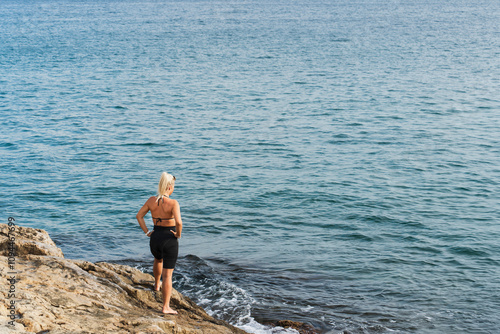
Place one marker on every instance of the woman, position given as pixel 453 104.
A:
pixel 167 222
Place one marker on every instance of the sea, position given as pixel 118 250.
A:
pixel 337 161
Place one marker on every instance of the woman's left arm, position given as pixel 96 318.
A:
pixel 140 218
pixel 178 220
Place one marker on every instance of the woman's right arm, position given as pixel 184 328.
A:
pixel 140 218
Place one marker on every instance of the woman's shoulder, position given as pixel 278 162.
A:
pixel 151 200
pixel 168 201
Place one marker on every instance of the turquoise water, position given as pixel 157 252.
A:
pixel 337 162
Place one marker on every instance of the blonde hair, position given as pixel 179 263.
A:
pixel 166 180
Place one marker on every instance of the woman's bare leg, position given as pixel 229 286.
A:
pixel 157 268
pixel 167 291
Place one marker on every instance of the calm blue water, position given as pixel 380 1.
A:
pixel 337 162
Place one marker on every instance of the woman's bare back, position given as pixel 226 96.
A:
pixel 162 210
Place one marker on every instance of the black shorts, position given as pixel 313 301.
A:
pixel 164 245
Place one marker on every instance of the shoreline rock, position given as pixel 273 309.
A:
pixel 48 293
pixel 301 327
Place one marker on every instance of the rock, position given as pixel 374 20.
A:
pixel 28 241
pixel 301 327
pixel 60 296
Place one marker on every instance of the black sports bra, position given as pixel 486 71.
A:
pixel 159 220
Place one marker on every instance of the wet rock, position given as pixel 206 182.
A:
pixel 301 327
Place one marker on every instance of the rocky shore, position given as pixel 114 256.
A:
pixel 45 293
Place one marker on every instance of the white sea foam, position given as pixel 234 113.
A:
pixel 256 328
pixel 240 304
pixel 222 299
pixel 307 308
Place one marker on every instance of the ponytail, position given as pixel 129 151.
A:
pixel 166 180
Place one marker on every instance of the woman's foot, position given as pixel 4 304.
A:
pixel 168 310
pixel 156 287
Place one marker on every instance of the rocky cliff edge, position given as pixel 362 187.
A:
pixel 45 293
